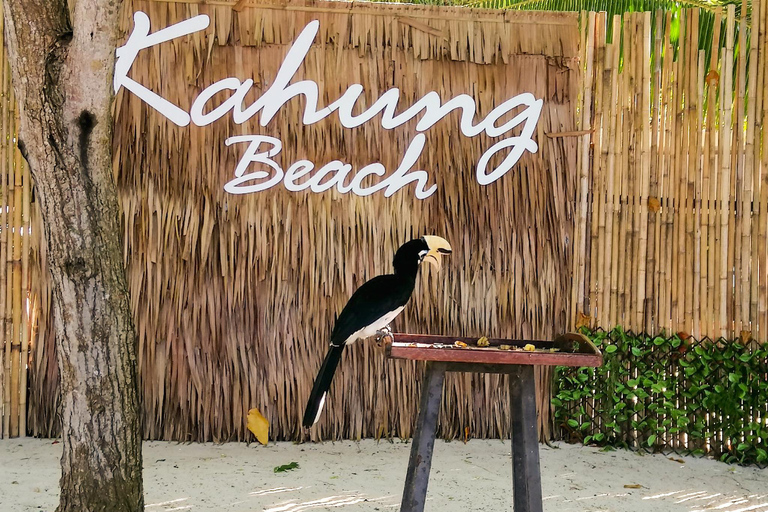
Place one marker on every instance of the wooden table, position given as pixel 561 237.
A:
pixel 442 354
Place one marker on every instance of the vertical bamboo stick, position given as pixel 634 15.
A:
pixel 679 158
pixel 645 171
pixel 654 204
pixel 762 115
pixel 691 30
pixel 709 185
pixel 755 278
pixel 637 65
pixel 615 174
pixel 586 117
pixel 6 345
pixel 700 250
pixel 16 305
pixel 25 283
pixel 740 217
pixel 667 174
pixel 597 168
pixel 694 173
pixel 625 219
pixel 749 269
pixel 8 263
pixel 612 66
pixel 725 174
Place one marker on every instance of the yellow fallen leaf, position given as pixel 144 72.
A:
pixel 505 347
pixel 529 348
pixel 460 344
pixel 633 486
pixel 483 342
pixel 259 425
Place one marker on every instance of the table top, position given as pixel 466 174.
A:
pixel 571 349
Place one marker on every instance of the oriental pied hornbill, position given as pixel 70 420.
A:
pixel 370 310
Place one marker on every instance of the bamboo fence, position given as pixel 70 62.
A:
pixel 674 223
pixel 16 304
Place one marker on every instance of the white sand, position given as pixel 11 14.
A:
pixel 368 476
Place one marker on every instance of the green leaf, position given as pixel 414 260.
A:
pixel 743 446
pixel 651 439
pixel 286 467
pixel 610 349
pixel 573 423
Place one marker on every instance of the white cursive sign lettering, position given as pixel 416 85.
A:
pixel 250 175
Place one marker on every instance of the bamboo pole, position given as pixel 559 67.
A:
pixel 653 288
pixel 710 179
pixel 762 117
pixel 6 345
pixel 748 257
pixel 725 174
pixel 615 174
pixel 693 102
pixel 645 171
pixel 667 174
pixel 626 190
pixel 8 263
pixel 600 152
pixel 583 189
pixel 16 292
pixel 680 168
pixel 25 284
pixel 700 250
pixel 740 217
pixel 612 68
pixel 689 73
pixel 756 72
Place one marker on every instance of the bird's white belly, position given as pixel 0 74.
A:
pixel 376 326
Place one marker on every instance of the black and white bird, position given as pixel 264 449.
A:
pixel 370 310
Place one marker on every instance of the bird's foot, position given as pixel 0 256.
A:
pixel 382 335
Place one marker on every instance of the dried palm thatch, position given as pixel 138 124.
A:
pixel 234 296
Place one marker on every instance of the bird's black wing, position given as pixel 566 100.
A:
pixel 370 302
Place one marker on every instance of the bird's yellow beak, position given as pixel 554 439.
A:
pixel 437 247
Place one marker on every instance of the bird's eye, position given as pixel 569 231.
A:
pixel 422 253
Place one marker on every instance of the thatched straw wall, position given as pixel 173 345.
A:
pixel 234 296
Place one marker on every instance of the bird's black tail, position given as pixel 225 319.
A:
pixel 322 385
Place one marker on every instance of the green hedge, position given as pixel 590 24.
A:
pixel 668 394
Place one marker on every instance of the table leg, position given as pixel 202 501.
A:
pixel 525 443
pixel 417 478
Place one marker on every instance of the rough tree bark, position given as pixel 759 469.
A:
pixel 62 60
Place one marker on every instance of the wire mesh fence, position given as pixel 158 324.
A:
pixel 669 394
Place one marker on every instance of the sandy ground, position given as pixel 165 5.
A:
pixel 368 476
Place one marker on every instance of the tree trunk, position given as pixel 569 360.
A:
pixel 62 60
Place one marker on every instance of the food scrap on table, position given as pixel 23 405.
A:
pixel 483 342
